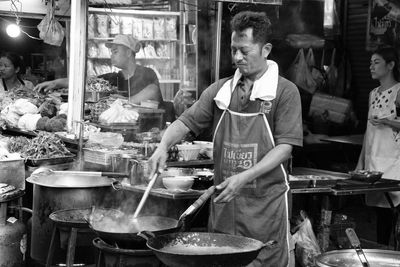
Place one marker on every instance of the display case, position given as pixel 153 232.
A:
pixel 165 44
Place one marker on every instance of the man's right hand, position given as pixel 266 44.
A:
pixel 157 161
pixel 49 86
pixel 45 86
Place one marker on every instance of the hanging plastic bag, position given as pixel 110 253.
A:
pixel 307 247
pixel 332 74
pixel 300 74
pixel 50 30
pixel 316 73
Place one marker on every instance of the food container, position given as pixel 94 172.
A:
pixel 188 151
pixel 182 183
pixel 366 175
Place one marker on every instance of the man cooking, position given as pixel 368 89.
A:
pixel 140 83
pixel 256 120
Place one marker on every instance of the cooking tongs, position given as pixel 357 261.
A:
pixel 355 243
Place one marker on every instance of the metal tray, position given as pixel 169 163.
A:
pixel 49 161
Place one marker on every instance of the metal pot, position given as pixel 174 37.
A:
pixel 349 258
pixel 59 190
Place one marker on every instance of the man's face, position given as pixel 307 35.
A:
pixel 248 56
pixel 120 56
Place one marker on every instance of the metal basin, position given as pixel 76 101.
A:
pixel 349 258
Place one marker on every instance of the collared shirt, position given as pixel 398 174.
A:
pixel 284 117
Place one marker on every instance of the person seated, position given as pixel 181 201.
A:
pixel 10 69
pixel 138 83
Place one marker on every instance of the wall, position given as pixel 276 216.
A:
pixel 362 84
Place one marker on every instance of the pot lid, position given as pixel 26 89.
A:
pixel 67 179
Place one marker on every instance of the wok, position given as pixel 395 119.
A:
pixel 116 227
pixel 198 249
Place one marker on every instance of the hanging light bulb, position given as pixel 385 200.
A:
pixel 13 30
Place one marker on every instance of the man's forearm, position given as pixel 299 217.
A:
pixel 270 161
pixel 173 134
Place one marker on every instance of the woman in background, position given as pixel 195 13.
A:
pixel 381 147
pixel 10 68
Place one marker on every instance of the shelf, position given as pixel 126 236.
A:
pixel 138 58
pixel 105 39
pixel 169 81
pixel 190 163
pixel 151 13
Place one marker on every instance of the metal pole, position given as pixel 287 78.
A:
pixel 218 41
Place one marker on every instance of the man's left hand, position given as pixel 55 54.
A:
pixel 230 187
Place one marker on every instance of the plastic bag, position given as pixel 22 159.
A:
pixel 50 30
pixel 332 74
pixel 316 73
pixel 105 139
pixel 307 247
pixel 118 114
pixel 300 74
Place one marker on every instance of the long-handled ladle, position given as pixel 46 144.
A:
pixel 146 194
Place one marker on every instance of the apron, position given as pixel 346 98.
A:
pixel 260 210
pixel 382 145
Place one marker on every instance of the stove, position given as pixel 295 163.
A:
pixel 111 256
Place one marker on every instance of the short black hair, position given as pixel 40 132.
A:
pixel 389 54
pixel 258 21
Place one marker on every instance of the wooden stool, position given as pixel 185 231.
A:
pixel 64 221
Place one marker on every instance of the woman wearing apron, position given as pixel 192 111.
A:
pixel 381 147
pixel 256 119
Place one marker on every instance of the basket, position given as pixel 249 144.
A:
pixel 101 157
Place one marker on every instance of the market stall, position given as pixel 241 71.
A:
pixel 94 143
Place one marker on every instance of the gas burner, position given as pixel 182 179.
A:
pixel 113 256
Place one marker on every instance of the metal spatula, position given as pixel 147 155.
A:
pixel 355 243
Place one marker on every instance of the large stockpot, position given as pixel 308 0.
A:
pixel 349 258
pixel 59 190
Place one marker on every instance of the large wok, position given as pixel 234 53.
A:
pixel 117 228
pixel 198 249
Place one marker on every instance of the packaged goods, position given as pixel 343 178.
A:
pixel 147 28
pixel 159 28
pixel 92 27
pixel 115 24
pixel 137 28
pixel 126 25
pixel 170 28
pixel 102 26
pixel 93 50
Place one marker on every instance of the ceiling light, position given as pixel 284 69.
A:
pixel 13 30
